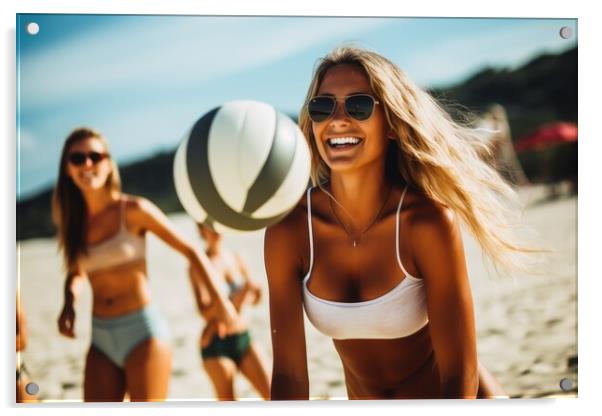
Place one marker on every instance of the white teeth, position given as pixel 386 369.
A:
pixel 343 140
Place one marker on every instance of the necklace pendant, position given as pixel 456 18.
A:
pixel 354 243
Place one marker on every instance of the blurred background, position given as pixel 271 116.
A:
pixel 144 80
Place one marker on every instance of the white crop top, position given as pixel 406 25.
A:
pixel 121 248
pixel 398 313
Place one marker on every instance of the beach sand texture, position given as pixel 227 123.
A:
pixel 527 327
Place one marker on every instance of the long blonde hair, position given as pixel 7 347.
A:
pixel 68 205
pixel 432 153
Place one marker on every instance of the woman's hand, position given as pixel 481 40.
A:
pixel 225 316
pixel 66 321
pixel 72 289
pixel 254 291
pixel 208 334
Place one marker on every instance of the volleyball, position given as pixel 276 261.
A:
pixel 241 167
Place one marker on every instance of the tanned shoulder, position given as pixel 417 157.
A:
pixel 427 214
pixel 287 240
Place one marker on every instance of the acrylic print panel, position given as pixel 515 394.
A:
pixel 143 81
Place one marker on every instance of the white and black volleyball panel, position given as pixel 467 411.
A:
pixel 240 139
pixel 242 166
pixel 182 183
pixel 292 188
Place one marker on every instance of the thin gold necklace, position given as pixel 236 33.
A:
pixel 356 240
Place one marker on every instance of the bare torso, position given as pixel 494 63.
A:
pixel 227 270
pixel 374 368
pixel 225 267
pixel 119 290
pixel 403 368
pixel 123 288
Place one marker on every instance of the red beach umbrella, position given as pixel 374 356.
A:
pixel 547 135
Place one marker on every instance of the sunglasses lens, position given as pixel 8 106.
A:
pixel 359 106
pixel 320 108
pixel 95 157
pixel 77 158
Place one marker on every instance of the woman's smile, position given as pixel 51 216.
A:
pixel 347 146
pixel 343 141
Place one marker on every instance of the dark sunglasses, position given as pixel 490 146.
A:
pixel 357 106
pixel 80 158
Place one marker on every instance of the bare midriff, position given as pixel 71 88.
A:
pixel 402 368
pixel 119 290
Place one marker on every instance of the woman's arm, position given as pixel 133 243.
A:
pixel 251 289
pixel 151 218
pixel 72 289
pixel 439 258
pixel 21 324
pixel 289 373
pixel 208 334
pixel 201 295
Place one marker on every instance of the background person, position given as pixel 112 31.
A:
pixel 224 356
pixel 101 232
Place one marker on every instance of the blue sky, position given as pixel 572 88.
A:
pixel 143 80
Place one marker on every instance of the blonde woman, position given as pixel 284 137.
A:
pixel 101 232
pixel 224 356
pixel 374 252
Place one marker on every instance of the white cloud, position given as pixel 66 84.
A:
pixel 170 50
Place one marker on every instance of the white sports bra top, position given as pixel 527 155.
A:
pixel 398 313
pixel 121 248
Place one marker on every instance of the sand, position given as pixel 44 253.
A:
pixel 527 327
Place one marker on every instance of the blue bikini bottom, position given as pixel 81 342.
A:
pixel 117 337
